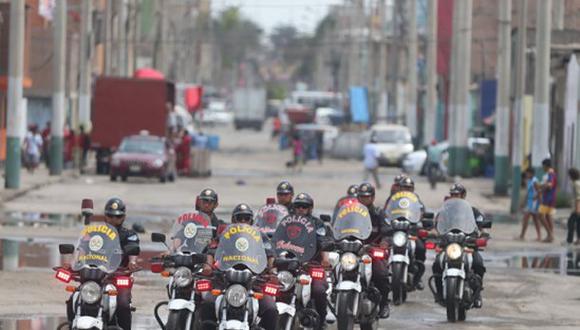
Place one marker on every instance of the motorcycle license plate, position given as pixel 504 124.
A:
pixel 135 168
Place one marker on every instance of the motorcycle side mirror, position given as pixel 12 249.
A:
pixel 87 209
pixel 131 250
pixel 66 248
pixel 486 224
pixel 158 237
pixel 325 217
pixel 137 227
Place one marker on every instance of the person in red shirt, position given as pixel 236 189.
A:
pixel 45 134
pixel 183 152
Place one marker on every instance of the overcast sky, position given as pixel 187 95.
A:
pixel 304 14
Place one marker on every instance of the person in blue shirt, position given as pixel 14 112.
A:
pixel 532 204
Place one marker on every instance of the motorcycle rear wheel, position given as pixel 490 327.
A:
pixel 286 322
pixel 177 320
pixel 344 314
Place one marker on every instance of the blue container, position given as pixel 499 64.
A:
pixel 213 142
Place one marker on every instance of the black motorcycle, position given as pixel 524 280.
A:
pixel 97 258
pixel 404 212
pixel 295 244
pixel 191 234
pixel 241 259
pixel 356 298
pixel 457 230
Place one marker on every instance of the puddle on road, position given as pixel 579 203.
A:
pixel 53 322
pixel 565 261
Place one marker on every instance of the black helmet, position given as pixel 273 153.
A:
pixel 352 190
pixel 399 177
pixel 285 187
pixel 240 210
pixel 458 189
pixel 115 207
pixel 304 199
pixel 366 189
pixel 407 182
pixel 208 194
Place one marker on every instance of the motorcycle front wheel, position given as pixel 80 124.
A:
pixel 345 313
pixel 455 309
pixel 399 287
pixel 177 320
pixel 285 322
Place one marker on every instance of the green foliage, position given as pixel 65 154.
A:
pixel 236 36
pixel 276 91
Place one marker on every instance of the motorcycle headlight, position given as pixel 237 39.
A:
pixel 348 261
pixel 158 163
pixel 182 277
pixel 90 292
pixel 399 239
pixel 286 279
pixel 236 295
pixel 454 251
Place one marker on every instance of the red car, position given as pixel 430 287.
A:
pixel 144 156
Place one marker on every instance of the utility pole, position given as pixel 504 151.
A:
pixel 518 131
pixel 86 63
pixel 15 116
pixel 58 98
pixel 502 114
pixel 108 37
pixel 122 37
pixel 461 74
pixel 411 113
pixel 541 122
pixel 430 118
pixel 381 84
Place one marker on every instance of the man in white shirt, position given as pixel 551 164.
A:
pixel 370 161
pixel 32 146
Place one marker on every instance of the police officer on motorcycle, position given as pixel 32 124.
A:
pixel 284 195
pixel 267 311
pixel 366 196
pixel 303 205
pixel 457 190
pixel 115 212
pixel 407 184
pixel 207 202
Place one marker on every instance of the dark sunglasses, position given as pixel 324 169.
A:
pixel 118 216
pixel 302 206
pixel 244 218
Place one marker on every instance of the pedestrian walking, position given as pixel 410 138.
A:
pixel 85 146
pixel 574 219
pixel 298 152
pixel 547 208
pixel 184 153
pixel 320 145
pixel 531 203
pixel 371 162
pixel 45 144
pixel 32 148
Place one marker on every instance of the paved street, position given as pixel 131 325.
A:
pixel 247 168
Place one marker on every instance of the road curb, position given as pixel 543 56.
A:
pixel 10 195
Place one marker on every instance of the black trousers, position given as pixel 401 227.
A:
pixel 319 288
pixel 573 225
pixel 123 312
pixel 267 312
pixel 420 256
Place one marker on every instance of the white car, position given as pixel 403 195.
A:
pixel 393 143
pixel 216 113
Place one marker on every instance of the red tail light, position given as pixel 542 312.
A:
pixel 63 275
pixel 481 242
pixel 270 200
pixel 157 267
pixel 423 233
pixel 317 273
pixel 203 285
pixel 123 282
pixel 271 289
pixel 430 245
pixel 378 254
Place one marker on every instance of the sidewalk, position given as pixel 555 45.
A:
pixel 30 182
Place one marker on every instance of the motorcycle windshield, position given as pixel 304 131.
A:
pixel 269 216
pixel 296 234
pixel 352 220
pixel 342 202
pixel 456 214
pixel 404 204
pixel 192 232
pixel 241 245
pixel 99 247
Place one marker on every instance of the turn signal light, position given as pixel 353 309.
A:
pixel 70 288
pixel 112 293
pixel 430 245
pixel 423 233
pixel 367 260
pixel 481 242
pixel 63 275
pixel 271 289
pixel 203 285
pixel 317 273
pixel 123 282
pixel 304 281
pixel 216 292
pixel 165 274
pixel 258 295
